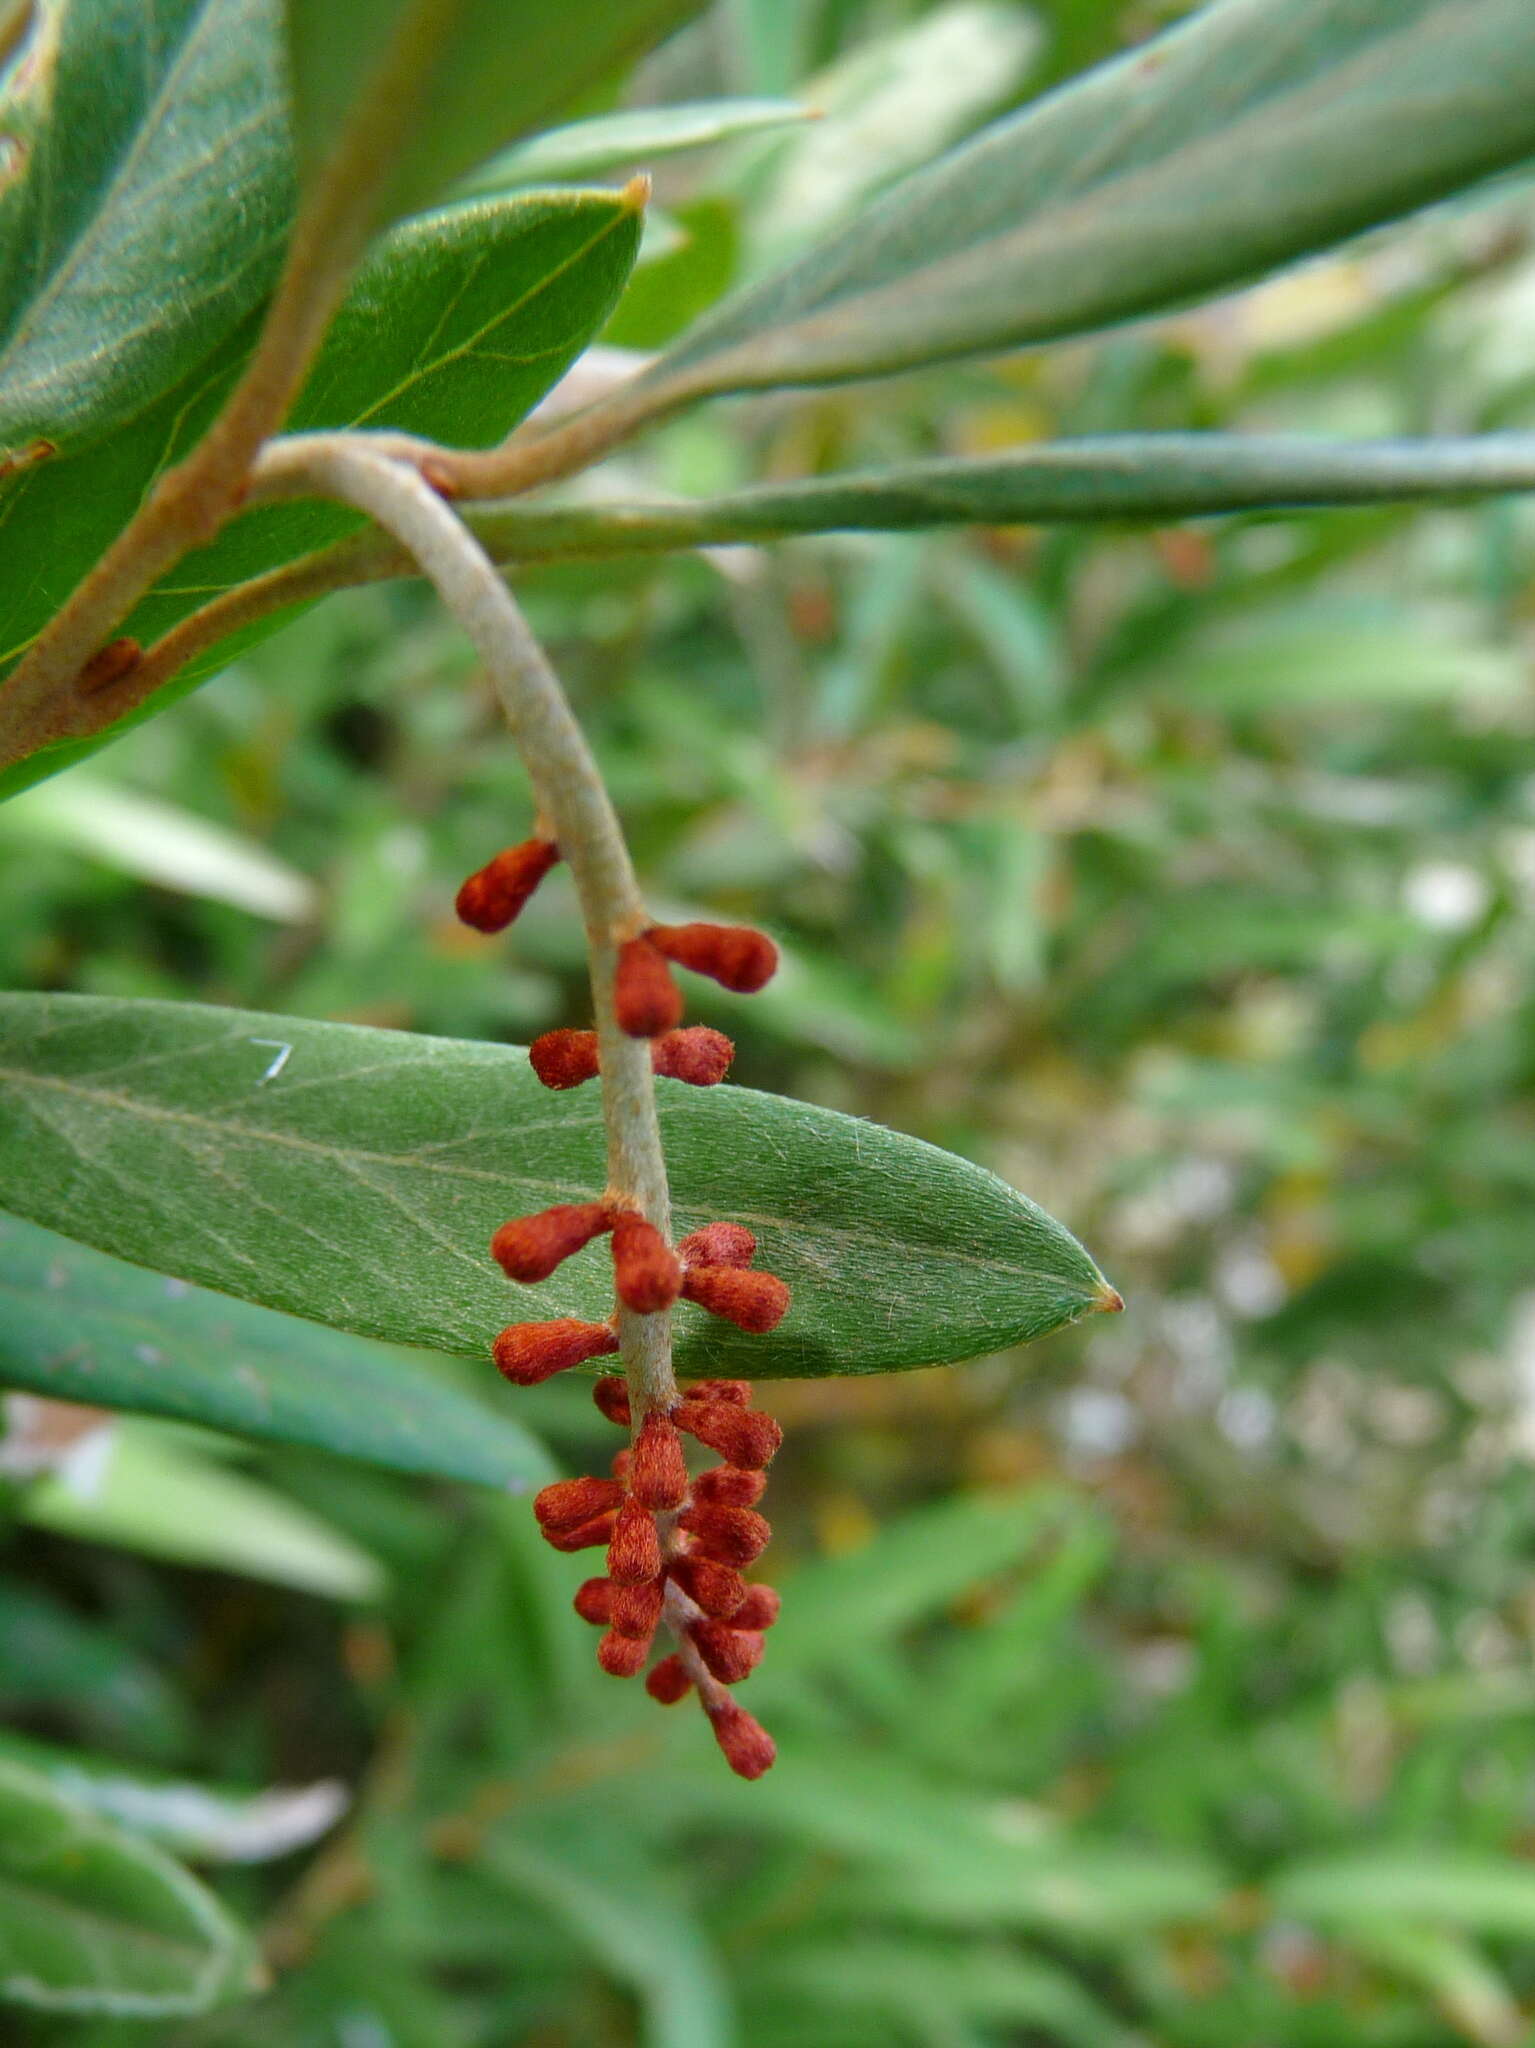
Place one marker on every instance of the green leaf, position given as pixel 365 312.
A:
pixel 144 205
pixel 455 327
pixel 94 1921
pixel 415 92
pixel 136 1487
pixel 361 1183
pixel 1439 1887
pixel 1241 140
pixel 80 1326
pixel 635 136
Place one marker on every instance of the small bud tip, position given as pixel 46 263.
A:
pixel 1109 1301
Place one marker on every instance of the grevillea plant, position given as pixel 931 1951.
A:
pixel 277 303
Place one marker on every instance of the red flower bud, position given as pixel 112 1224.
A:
pixel 495 893
pixel 732 954
pixel 759 1610
pixel 634 1555
pixel 737 1392
pixel 669 1682
pixel 530 1247
pixel 727 1486
pixel 585 1535
pixel 715 1589
pixel 748 1748
pixel 646 1271
pixel 742 1436
pixel 730 1653
pixel 594 1601
pixel 752 1301
pixel 529 1352
pixel 569 1501
pixel 719 1244
pixel 612 1397
pixel 735 1536
pixel 659 1473
pixel 564 1059
pixel 619 1468
pixel 645 998
pixel 637 1609
pixel 699 1056
pixel 621 1656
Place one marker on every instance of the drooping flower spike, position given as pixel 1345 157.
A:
pixel 493 897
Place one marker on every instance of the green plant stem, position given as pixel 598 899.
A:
pixel 570 794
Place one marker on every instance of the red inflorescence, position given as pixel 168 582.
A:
pixel 494 895
pixel 530 1352
pixel 658 1474
pixel 719 1244
pixel 530 1247
pixel 734 955
pixel 752 1301
pixel 646 1001
pixel 646 1271
pixel 742 1436
pixel 697 1055
pixel 668 1681
pixel 564 1059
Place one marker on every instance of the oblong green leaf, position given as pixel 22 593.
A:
pixel 635 135
pixel 80 1326
pixel 360 1186
pixel 93 1920
pixel 455 326
pixel 1119 476
pixel 144 204
pixel 1249 136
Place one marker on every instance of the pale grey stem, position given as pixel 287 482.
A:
pixel 570 795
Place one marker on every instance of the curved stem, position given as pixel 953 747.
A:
pixel 570 794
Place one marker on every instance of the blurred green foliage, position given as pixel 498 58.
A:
pixel 1171 1685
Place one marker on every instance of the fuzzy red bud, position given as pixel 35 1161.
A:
pixel 594 1601
pixel 716 1589
pixel 752 1301
pixel 530 1247
pixel 699 1056
pixel 658 1475
pixel 668 1681
pixel 737 1392
pixel 730 1653
pixel 622 1656
pixel 637 1609
pixel 646 1000
pixel 732 954
pixel 585 1535
pixel 634 1555
pixel 611 1394
pixel 494 895
pixel 759 1610
pixel 748 1748
pixel 742 1436
pixel 646 1271
pixel 727 1486
pixel 530 1352
pixel 564 1059
pixel 735 1536
pixel 569 1501
pixel 719 1244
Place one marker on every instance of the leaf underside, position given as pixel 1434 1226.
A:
pixel 360 1183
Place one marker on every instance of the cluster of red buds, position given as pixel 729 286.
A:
pixel 676 1542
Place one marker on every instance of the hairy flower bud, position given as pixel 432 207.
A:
pixel 530 1247
pixel 646 1271
pixel 732 954
pixel 634 1555
pixel 564 1059
pixel 742 1436
pixel 727 1486
pixel 699 1056
pixel 585 1535
pixel 594 1601
pixel 719 1244
pixel 658 1473
pixel 752 1301
pixel 569 1501
pixel 622 1656
pixel 530 1352
pixel 731 1653
pixel 737 1392
pixel 611 1394
pixel 494 895
pixel 759 1610
pixel 715 1589
pixel 637 1609
pixel 668 1681
pixel 747 1747
pixel 646 1001
pixel 735 1536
